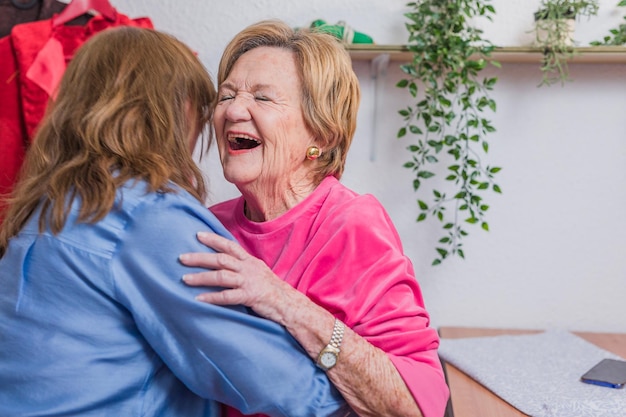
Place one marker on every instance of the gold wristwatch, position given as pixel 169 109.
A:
pixel 329 355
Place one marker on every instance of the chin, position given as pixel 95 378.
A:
pixel 237 178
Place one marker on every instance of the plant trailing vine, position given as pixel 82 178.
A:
pixel 448 118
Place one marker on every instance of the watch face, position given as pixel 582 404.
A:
pixel 328 359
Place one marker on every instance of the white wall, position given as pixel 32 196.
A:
pixel 554 255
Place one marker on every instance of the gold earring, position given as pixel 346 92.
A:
pixel 312 153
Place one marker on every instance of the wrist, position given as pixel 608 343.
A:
pixel 329 356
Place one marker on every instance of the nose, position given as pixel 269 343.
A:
pixel 237 109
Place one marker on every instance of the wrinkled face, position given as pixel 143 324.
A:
pixel 260 130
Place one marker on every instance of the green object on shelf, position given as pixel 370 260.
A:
pixel 342 31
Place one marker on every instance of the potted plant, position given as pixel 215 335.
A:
pixel 554 28
pixel 448 118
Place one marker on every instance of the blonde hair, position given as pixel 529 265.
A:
pixel 330 88
pixel 128 104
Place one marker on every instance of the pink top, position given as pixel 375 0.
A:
pixel 342 250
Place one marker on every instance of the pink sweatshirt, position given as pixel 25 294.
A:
pixel 342 250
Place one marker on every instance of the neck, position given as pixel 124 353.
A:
pixel 268 203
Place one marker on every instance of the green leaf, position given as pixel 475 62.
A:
pixel 407 69
pixel 442 252
pixel 415 130
pixel 485 226
pixel 401 132
pixel 402 83
pixel 471 220
pixel 422 205
pixel 421 217
pixel 425 174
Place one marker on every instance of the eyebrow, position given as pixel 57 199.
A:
pixel 255 87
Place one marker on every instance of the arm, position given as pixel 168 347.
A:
pixel 367 376
pixel 220 353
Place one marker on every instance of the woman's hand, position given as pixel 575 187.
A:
pixel 247 280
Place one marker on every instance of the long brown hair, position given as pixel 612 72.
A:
pixel 128 105
pixel 330 88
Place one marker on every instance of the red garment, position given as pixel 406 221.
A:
pixel 342 250
pixel 23 100
pixel 12 132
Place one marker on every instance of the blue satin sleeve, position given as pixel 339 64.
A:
pixel 220 353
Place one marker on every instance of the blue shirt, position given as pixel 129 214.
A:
pixel 95 321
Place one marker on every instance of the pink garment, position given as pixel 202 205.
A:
pixel 342 250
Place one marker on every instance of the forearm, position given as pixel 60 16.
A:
pixel 369 382
pixel 364 374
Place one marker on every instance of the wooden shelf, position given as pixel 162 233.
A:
pixel 512 54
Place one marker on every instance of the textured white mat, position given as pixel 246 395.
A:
pixel 538 374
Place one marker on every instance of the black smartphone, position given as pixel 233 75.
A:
pixel 607 373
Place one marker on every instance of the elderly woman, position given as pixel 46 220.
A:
pixel 94 319
pixel 314 255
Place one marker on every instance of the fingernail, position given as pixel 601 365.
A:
pixel 187 278
pixel 183 257
pixel 202 234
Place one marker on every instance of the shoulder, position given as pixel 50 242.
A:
pixel 169 213
pixel 225 207
pixel 227 211
pixel 351 210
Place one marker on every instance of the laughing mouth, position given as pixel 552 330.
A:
pixel 240 142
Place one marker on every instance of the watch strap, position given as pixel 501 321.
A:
pixel 337 336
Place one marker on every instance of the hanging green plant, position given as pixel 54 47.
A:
pixel 554 35
pixel 448 117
